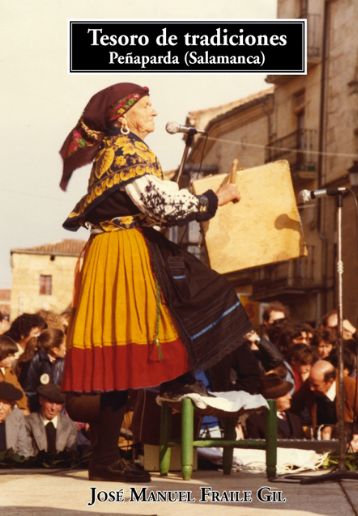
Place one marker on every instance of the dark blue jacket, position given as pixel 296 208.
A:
pixel 40 365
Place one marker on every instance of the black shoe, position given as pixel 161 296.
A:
pixel 120 471
pixel 177 390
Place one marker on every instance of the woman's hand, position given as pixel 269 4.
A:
pixel 227 192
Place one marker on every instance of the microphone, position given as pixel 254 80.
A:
pixel 174 127
pixel 308 195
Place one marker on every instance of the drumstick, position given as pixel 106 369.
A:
pixel 234 168
pixel 232 178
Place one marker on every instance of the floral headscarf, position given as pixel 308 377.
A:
pixel 83 142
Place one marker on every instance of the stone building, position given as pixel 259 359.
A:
pixel 5 296
pixel 316 117
pixel 236 130
pixel 311 121
pixel 42 276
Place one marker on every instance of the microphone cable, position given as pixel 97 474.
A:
pixel 198 173
pixel 202 152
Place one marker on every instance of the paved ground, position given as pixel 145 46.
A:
pixel 68 493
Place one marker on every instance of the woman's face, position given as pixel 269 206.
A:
pixel 302 369
pixel 324 349
pixel 6 362
pixel 59 351
pixel 140 117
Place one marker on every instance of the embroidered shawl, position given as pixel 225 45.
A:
pixel 121 159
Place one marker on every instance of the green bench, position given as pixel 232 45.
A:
pixel 187 442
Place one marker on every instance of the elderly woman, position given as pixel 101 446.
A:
pixel 145 312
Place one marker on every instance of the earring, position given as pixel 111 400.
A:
pixel 124 126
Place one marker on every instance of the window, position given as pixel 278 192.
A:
pixel 46 285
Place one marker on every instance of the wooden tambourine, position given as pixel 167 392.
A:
pixel 264 227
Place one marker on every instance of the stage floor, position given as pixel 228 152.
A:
pixel 70 493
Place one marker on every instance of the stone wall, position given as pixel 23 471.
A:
pixel 26 272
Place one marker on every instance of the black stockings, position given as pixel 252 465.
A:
pixel 112 410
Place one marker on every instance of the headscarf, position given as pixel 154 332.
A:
pixel 84 141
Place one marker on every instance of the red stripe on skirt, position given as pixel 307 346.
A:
pixel 109 368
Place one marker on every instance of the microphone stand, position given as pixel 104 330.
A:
pixel 342 472
pixel 188 142
pixel 340 393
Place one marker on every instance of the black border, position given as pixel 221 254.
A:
pixel 302 71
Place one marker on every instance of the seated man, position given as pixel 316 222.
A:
pixel 12 422
pixel 273 387
pixel 49 429
pixel 319 395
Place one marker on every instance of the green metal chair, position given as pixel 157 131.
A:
pixel 228 442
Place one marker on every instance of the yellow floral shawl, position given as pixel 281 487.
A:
pixel 121 159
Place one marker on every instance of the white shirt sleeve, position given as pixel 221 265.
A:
pixel 163 202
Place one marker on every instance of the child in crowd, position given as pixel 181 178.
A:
pixel 8 348
pixel 349 361
pixel 325 342
pixel 301 357
pixel 42 364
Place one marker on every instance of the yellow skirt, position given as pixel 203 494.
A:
pixel 121 334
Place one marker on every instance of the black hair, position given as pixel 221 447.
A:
pixel 276 306
pixel 348 359
pixel 49 339
pixel 324 335
pixel 328 375
pixel 302 354
pixel 287 331
pixel 275 330
pixel 23 324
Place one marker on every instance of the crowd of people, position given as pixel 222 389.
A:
pixel 299 368
pixel 32 407
pixel 286 360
